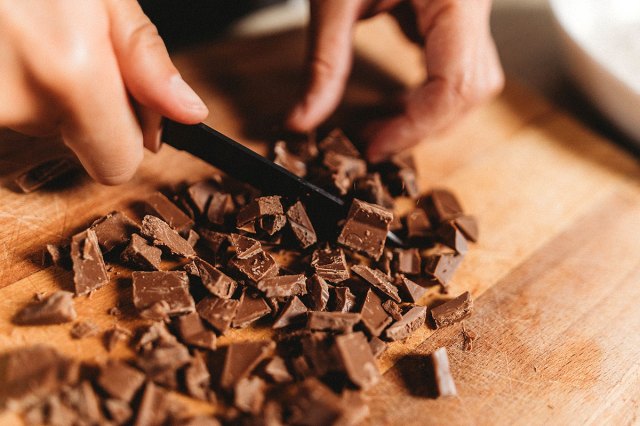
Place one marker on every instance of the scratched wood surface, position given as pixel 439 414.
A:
pixel 555 275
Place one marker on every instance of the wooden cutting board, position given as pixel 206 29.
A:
pixel 556 274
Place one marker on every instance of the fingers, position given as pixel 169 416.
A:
pixel 328 61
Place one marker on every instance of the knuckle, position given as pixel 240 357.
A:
pixel 325 69
pixel 144 36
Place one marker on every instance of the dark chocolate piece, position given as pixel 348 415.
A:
pixel 213 279
pixel 312 403
pixel 409 323
pixel 158 311
pixel 257 267
pixel 245 247
pixel 377 279
pixel 443 378
pixel 293 312
pixel 374 317
pixel 197 378
pixel 83 329
pixel 453 311
pixel 249 394
pixel 120 380
pixel 193 238
pixel 301 225
pixel 289 161
pixel 114 230
pixel 393 309
pixel 193 332
pixel 241 359
pixel 283 286
pixel 153 408
pixel 355 356
pixel 160 206
pixel 218 312
pixel 214 241
pixel 169 286
pixel 378 347
pixel 332 321
pixel 369 188
pixel 57 308
pixel 200 194
pixel 407 261
pixel 162 362
pixel 251 308
pixel 452 237
pixel 468 226
pixel 114 335
pixel 141 254
pixel 277 370
pixel 45 172
pixel 344 170
pixel 318 351
pixel 83 402
pixel 318 291
pixel 118 410
pixel 220 206
pixel 410 291
pixel 338 142
pixel 441 205
pixel 408 183
pixel 366 228
pixel 343 299
pixel 442 266
pixel 164 236
pixel 89 269
pixel 418 225
pixel 249 217
pixel 330 264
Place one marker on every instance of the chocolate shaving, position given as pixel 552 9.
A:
pixel 57 308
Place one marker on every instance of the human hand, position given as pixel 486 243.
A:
pixel 463 66
pixel 97 73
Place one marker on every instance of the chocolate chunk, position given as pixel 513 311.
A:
pixel 250 217
pixel 257 267
pixel 400 175
pixel 469 336
pixel 343 299
pixel 162 362
pixel 169 286
pixel 330 264
pixel 241 359
pixel 277 370
pixel 453 311
pixel 251 308
pixel 120 380
pixel 468 226
pixel 338 142
pixel 418 225
pixel 289 161
pixel 374 317
pixel 409 323
pixel 317 349
pixel 44 173
pixel 301 225
pixel 140 254
pixel 441 205
pixel 193 238
pixel 220 206
pixel 114 230
pixel 378 347
pixel 158 311
pixel 332 321
pixel 293 312
pixel 59 256
pixel 245 247
pixel 83 329
pixel 443 378
pixel 197 378
pixel 213 279
pixel 407 261
pixel 369 188
pixel 153 409
pixel 313 403
pixel 200 194
pixel 410 291
pixel 56 308
pixel 442 266
pixel 393 309
pixel 164 236
pixel 318 291
pixel 355 356
pixel 452 237
pixel 83 402
pixel 118 410
pixel 89 269
pixel 366 228
pixel 154 335
pixel 114 335
pixel 408 183
pixel 214 241
pixel 193 332
pixel 218 312
pixel 249 394
pixel 344 170
pixel 160 206
pixel 283 286
pixel 378 280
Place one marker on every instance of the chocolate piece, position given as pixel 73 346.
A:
pixel 289 161
pixel 293 312
pixel 59 256
pixel 330 264
pixel 453 311
pixel 213 279
pixel 378 280
pixel 418 225
pixel 45 172
pixel 214 241
pixel 468 336
pixel 257 267
pixel 218 312
pixel 452 237
pixel 250 215
pixel 277 370
pixel 443 378
pixel 409 323
pixel 343 299
pixel 374 317
pixel 408 183
pixel 120 380
pixel 141 254
pixel 245 247
pixel 468 226
pixel 344 170
pixel 193 238
pixel 169 286
pixel 442 266
pixel 114 230
pixel 164 236
pixel 153 410
pixel 197 379
pixel 407 261
pixel 441 205
pixel 114 335
pixel 241 359
pixel 153 335
pixel 119 411
pixel 160 206
pixel 83 329
pixel 356 358
pixel 89 269
pixel 366 228
pixel 158 311
pixel 369 188
pixel 386 261
pixel 162 362
pixel 56 308
pixel 393 309
pixel 318 291
pixel 338 142
pixel 193 332
pixel 220 206
pixel 249 394
pixel 200 194
pixel 301 225
pixel 317 349
pixel 313 403
pixel 332 321
pixel 378 347
pixel 410 291
pixel 283 286
pixel 84 403
pixel 251 308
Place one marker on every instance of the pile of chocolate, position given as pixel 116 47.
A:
pixel 217 256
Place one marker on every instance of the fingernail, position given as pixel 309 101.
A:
pixel 187 96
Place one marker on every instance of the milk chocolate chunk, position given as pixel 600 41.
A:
pixel 332 321
pixel 343 299
pixel 164 236
pixel 393 309
pixel 369 188
pixel 288 160
pixel 82 329
pixel 344 170
pixel 158 311
pixel 213 279
pixel 200 194
pixel 114 335
pixel 59 256
pixel 89 269
pixel 441 205
pixel 409 323
pixel 160 206
pixel 338 142
pixel 193 332
pixel 248 216
pixel 442 266
pixel 118 410
pixel 377 279
pixel 257 267
pixel 251 308
pixel 408 183
pixel 139 253
pixel 409 290
pixel 355 356
pixel 313 403
pixel 245 247
pixel 213 240
pixel 44 173
pixel 171 287
pixel 277 370
pixel 407 261
pixel 120 380
pixel 193 238
pixel 469 336
pixel 293 312
pixel 453 311
pixel 318 291
pixel 218 312
pixel 452 237
pixel 301 225
pixel 283 286
pixel 468 226
pixel 153 409
pixel 114 230
pixel 162 362
pixel 83 402
pixel 366 228
pixel 242 358
pixel 418 225
pixel 197 379
pixel 317 348
pixel 56 308
pixel 374 317
pixel 249 394
pixel 220 206
pixel 378 347
pixel 330 264
pixel 443 378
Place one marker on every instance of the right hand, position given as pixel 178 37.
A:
pixel 97 73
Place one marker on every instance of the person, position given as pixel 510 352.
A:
pixel 97 73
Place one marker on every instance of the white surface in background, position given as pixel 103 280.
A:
pixel 279 17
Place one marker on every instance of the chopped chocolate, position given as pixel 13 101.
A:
pixel 249 394
pixel 213 279
pixel 83 402
pixel 366 228
pixel 301 225
pixel 374 317
pixel 245 247
pixel 356 358
pixel 120 380
pixel 82 329
pixel 410 291
pixel 369 188
pixel 407 261
pixel 118 410
pixel 169 286
pixel 442 266
pixel 409 323
pixel 251 308
pixel 200 194
pixel 468 226
pixel 193 238
pixel 114 335
pixel 59 256
pixel 114 230
pixel 293 312
pixel 162 362
pixel 452 237
pixel 241 359
pixel 408 182
pixel 313 403
pixel 197 378
pixel 277 370
pixel 250 215
pixel 158 311
pixel 89 269
pixel 393 309
pixel 318 291
pixel 160 206
pixel 153 409
pixel 44 173
pixel 338 142
pixel 289 161
pixel 344 170
pixel 343 299
pixel 220 206
pixel 214 241
pixel 418 225
pixel 377 279
pixel 218 312
pixel 164 236
pixel 332 321
pixel 330 264
pixel 57 308
pixel 140 254
pixel 441 205
pixel 443 378
pixel 155 334
pixel 283 286
pixel 257 267
pixel 317 349
pixel 468 336
pixel 453 311
pixel 378 347
pixel 193 332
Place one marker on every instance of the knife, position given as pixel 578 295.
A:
pixel 238 161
